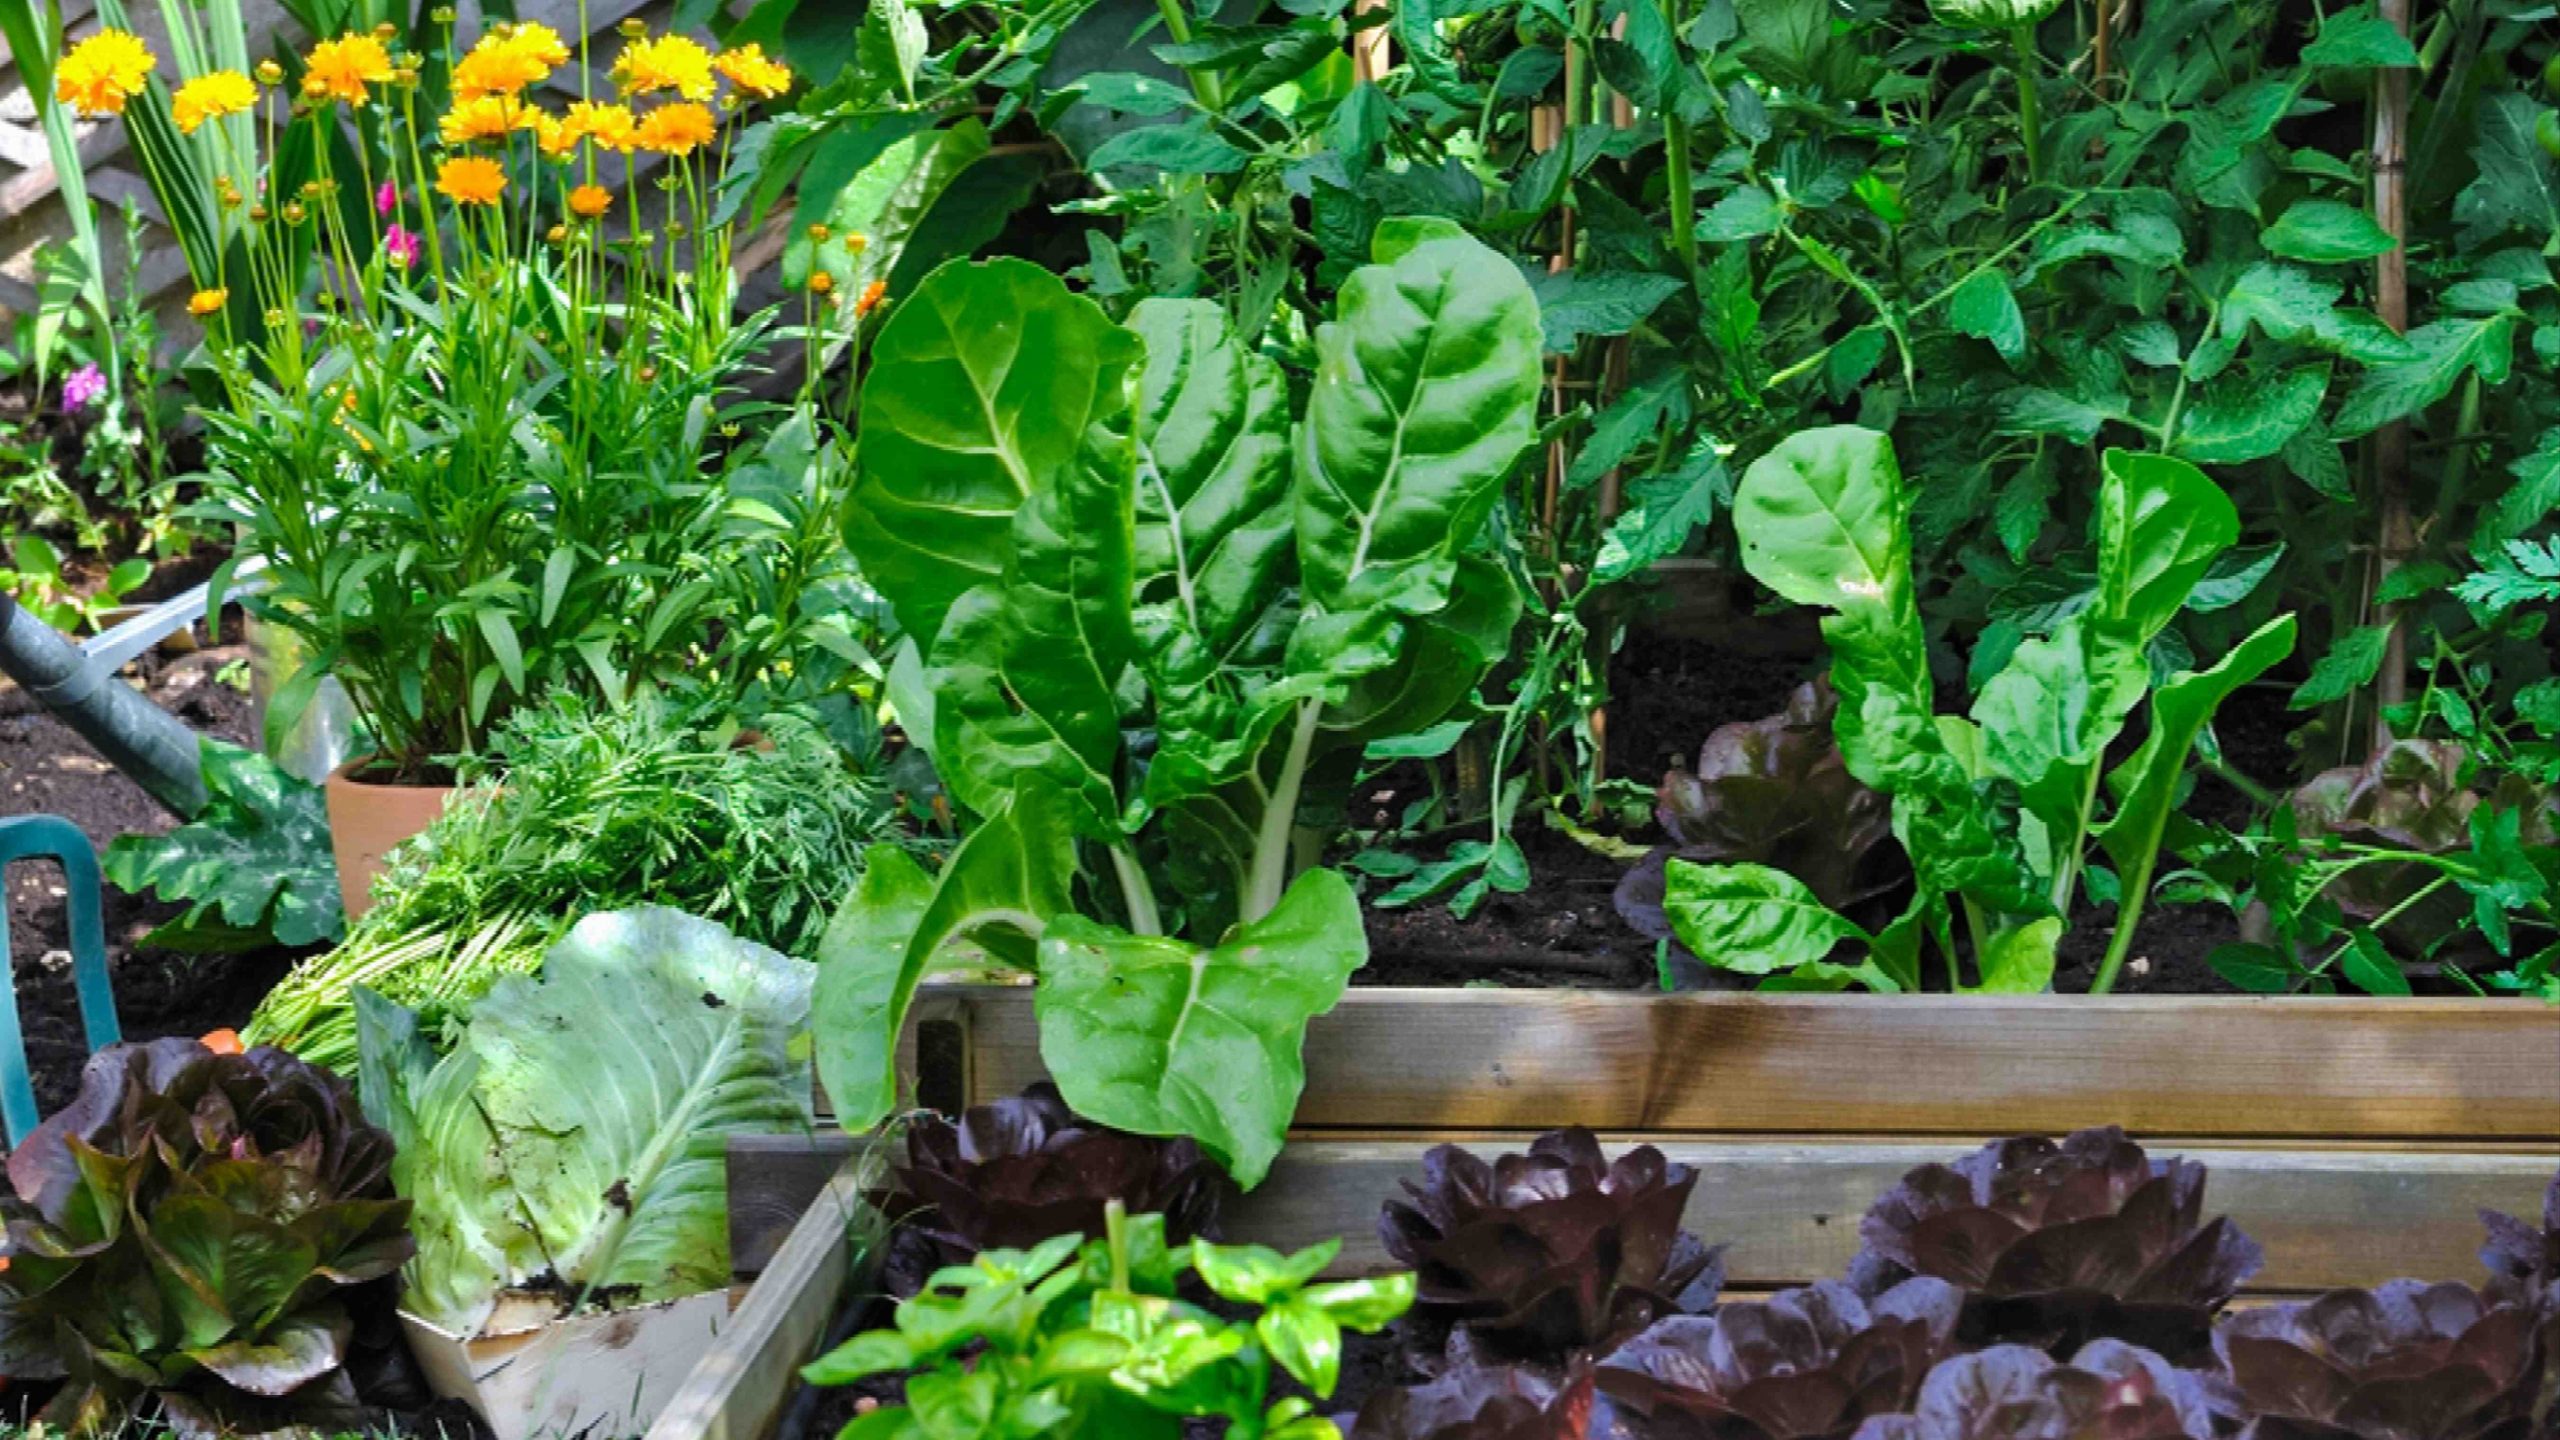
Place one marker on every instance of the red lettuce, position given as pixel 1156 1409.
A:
pixel 2404 1361
pixel 2060 1244
pixel 200 1240
pixel 1809 1364
pixel 2410 795
pixel 2109 1391
pixel 1482 1402
pixel 2523 1258
pixel 1772 791
pixel 1554 1252
pixel 1019 1171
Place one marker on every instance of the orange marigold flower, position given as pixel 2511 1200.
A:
pixel 471 180
pixel 223 1042
pixel 665 62
pixel 540 41
pixel 820 282
pixel 210 97
pixel 340 69
pixel 102 72
pixel 678 129
pixel 610 126
pixel 495 69
pixel 491 117
pixel 752 71
pixel 589 201
pixel 206 302
pixel 872 295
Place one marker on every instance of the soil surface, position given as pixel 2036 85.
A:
pixel 45 769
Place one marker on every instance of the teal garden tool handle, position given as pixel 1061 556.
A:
pixel 33 837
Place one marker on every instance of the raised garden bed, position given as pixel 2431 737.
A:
pixel 2355 1139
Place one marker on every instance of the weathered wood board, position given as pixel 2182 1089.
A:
pixel 2435 1070
pixel 1789 1208
pixel 2355 1139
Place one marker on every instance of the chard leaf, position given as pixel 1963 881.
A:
pixel 1751 919
pixel 1425 394
pixel 1004 883
pixel 982 387
pixel 2049 715
pixel 2145 786
pixel 1824 520
pixel 1162 1037
pixel 562 1134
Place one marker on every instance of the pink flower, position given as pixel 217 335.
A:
pixel 401 245
pixel 386 199
pixel 85 385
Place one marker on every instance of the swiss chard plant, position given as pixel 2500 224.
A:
pixel 1997 808
pixel 1154 618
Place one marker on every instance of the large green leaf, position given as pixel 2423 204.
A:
pixel 256 860
pixel 1751 919
pixel 1824 520
pixel 1425 395
pixel 983 385
pixel 2049 714
pixel 566 1133
pixel 1213 473
pixel 1026 671
pixel 1000 889
pixel 2146 785
pixel 1166 1038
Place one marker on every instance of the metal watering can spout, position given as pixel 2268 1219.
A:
pixel 80 688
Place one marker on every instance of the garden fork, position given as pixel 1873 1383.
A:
pixel 31 837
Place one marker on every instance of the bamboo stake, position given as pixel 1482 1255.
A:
pixel 2396 526
pixel 1370 57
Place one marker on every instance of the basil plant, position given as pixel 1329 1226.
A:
pixel 1997 808
pixel 1152 622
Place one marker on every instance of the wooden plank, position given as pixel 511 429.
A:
pixel 773 1180
pixel 1915 1065
pixel 1790 1209
pixel 739 1388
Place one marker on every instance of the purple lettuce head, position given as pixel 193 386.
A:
pixel 2109 1391
pixel 1019 1171
pixel 1809 1364
pixel 1472 1401
pixel 1555 1252
pixel 2060 1244
pixel 2404 1361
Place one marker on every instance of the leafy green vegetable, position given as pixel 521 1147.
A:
pixel 1094 534
pixel 1088 1337
pixel 200 1239
pixel 574 1132
pixel 1823 523
pixel 254 865
pixel 763 831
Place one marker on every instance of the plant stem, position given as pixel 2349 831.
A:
pixel 1682 184
pixel 1144 918
pixel 1279 816
pixel 2030 106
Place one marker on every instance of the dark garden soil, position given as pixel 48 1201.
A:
pixel 47 770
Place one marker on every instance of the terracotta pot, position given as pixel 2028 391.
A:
pixel 366 820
